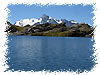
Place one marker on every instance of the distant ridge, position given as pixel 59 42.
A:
pixel 51 27
pixel 44 19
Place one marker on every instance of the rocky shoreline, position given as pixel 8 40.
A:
pixel 47 29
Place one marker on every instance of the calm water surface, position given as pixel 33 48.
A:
pixel 50 53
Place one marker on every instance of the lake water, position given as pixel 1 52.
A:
pixel 39 53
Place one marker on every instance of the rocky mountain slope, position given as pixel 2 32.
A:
pixel 51 28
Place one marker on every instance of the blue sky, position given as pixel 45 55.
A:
pixel 78 13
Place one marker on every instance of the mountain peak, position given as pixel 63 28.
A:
pixel 44 16
pixel 44 19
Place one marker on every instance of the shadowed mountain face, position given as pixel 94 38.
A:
pixel 42 20
pixel 48 29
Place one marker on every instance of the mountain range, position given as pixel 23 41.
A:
pixel 44 19
pixel 47 26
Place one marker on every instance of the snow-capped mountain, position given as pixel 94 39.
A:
pixel 42 20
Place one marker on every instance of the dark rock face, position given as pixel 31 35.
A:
pixel 44 18
pixel 67 22
pixel 52 21
pixel 48 29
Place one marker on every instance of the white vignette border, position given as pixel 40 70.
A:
pixel 3 42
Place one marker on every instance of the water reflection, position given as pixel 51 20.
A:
pixel 50 53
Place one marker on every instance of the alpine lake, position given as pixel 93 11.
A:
pixel 40 53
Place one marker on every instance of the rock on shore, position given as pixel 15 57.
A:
pixel 48 29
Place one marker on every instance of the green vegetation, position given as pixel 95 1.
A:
pixel 19 28
pixel 61 30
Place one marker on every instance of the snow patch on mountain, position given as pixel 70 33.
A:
pixel 44 19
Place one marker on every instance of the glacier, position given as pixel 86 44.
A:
pixel 44 19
